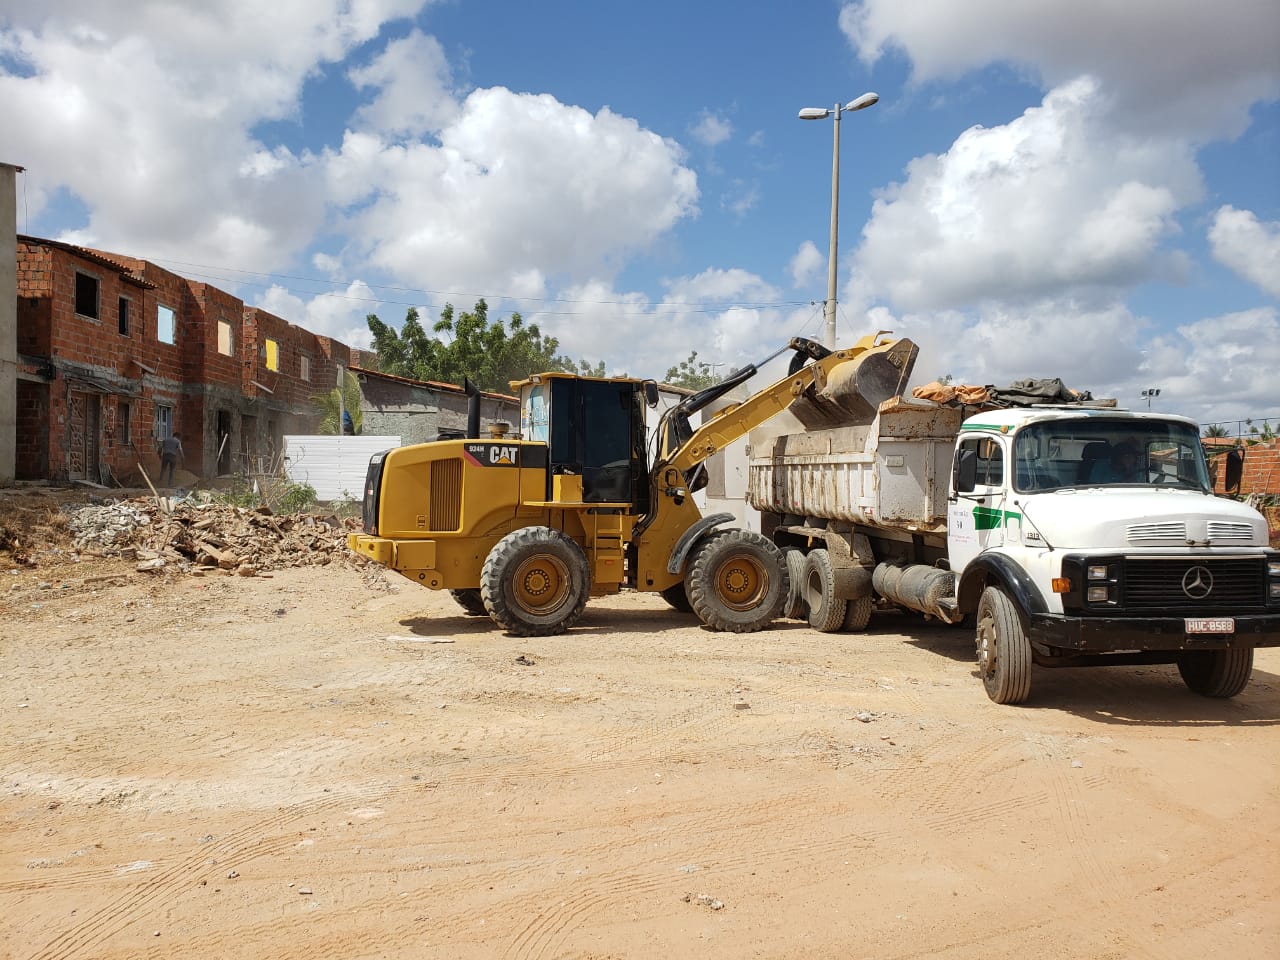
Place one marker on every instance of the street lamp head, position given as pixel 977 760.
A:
pixel 864 101
pixel 814 113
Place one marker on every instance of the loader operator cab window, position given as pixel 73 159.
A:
pixel 596 430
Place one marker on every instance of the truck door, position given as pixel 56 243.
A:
pixel 975 509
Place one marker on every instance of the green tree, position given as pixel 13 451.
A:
pixel 332 404
pixel 491 353
pixel 1215 430
pixel 693 374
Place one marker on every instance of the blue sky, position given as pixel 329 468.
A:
pixel 1087 190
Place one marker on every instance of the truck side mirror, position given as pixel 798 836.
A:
pixel 964 473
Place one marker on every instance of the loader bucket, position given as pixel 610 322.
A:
pixel 854 390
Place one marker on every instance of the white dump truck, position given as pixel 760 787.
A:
pixel 1067 535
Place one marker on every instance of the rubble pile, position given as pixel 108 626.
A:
pixel 210 535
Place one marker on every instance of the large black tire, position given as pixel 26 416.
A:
pixel 826 610
pixel 794 607
pixel 737 581
pixel 535 582
pixel 678 598
pixel 858 614
pixel 470 601
pixel 1217 673
pixel 1004 653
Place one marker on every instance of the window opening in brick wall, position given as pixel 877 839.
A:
pixel 87 296
pixel 226 346
pixel 164 422
pixel 304 367
pixel 125 431
pixel 166 329
pixel 123 311
pixel 271 354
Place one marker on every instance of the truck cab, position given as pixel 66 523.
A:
pixel 1100 529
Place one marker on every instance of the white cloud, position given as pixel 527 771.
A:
pixel 711 130
pixel 340 315
pixel 1222 367
pixel 806 266
pixel 168 102
pixel 1049 203
pixel 413 80
pixel 1220 60
pixel 1250 248
pixel 519 183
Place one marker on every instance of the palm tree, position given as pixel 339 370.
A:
pixel 331 405
pixel 1215 430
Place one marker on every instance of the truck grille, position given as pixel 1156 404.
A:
pixel 1194 584
pixel 445 504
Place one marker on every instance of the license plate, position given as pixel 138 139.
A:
pixel 1210 625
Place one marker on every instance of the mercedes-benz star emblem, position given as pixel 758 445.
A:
pixel 1197 583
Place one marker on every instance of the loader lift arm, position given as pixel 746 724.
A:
pixel 684 449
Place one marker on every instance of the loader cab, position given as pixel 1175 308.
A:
pixel 594 429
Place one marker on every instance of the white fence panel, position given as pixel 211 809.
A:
pixel 334 466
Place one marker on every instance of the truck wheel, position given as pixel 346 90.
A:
pixel 737 581
pixel 794 607
pixel 678 598
pixel 826 611
pixel 535 582
pixel 858 614
pixel 1217 673
pixel 1004 654
pixel 470 601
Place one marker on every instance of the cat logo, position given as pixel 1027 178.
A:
pixel 493 454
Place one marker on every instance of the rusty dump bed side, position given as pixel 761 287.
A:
pixel 890 472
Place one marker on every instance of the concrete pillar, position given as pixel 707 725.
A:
pixel 8 321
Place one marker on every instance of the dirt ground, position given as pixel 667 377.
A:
pixel 315 763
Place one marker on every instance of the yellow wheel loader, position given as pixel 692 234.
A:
pixel 526 530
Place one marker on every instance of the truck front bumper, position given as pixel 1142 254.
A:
pixel 1115 634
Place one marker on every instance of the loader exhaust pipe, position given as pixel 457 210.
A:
pixel 473 408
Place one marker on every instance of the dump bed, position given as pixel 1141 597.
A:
pixel 890 473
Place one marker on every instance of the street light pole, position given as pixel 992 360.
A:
pixel 1149 393
pixel 819 113
pixel 830 308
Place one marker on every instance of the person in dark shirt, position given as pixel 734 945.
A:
pixel 170 452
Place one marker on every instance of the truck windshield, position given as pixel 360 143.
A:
pixel 1097 451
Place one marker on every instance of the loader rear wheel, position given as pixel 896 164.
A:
pixel 678 598
pixel 737 581
pixel 794 608
pixel 535 582
pixel 470 601
pixel 1216 673
pixel 826 610
pixel 1004 653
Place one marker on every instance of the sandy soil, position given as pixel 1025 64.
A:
pixel 293 767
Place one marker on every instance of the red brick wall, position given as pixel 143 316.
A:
pixel 1261 473
pixel 32 452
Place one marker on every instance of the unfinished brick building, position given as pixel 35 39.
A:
pixel 115 354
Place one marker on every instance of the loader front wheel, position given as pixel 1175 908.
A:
pixel 737 581
pixel 535 582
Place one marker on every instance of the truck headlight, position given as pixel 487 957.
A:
pixel 1099 594
pixel 1097 571
pixel 1273 590
pixel 1273 568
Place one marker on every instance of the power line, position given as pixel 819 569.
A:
pixel 224 274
